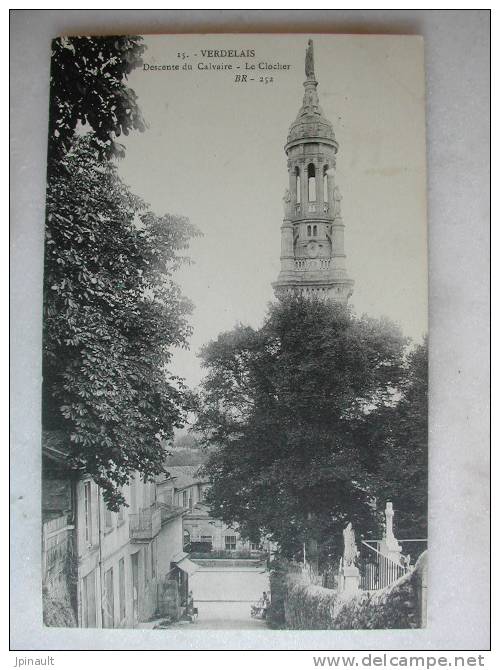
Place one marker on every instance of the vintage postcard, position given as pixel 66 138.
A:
pixel 235 334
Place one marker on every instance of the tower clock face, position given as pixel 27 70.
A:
pixel 312 249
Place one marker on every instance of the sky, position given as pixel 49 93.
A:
pixel 213 152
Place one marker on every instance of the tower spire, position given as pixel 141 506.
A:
pixel 310 61
pixel 310 102
pixel 312 233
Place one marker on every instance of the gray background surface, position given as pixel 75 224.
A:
pixel 457 70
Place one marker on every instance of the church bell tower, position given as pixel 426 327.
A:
pixel 312 234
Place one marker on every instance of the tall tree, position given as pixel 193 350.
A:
pixel 399 437
pixel 112 316
pixel 88 86
pixel 281 408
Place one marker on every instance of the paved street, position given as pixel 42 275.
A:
pixel 224 595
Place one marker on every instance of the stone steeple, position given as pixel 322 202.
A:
pixel 312 233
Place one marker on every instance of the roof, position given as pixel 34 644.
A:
pixel 55 443
pixel 56 455
pixel 311 124
pixel 185 475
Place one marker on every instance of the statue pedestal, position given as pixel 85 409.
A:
pixel 391 550
pixel 389 546
pixel 349 579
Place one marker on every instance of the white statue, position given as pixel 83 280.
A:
pixel 389 516
pixel 350 549
pixel 286 202
pixel 389 541
pixel 310 60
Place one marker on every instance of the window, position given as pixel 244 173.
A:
pixel 311 182
pixel 230 542
pixel 146 500
pixel 146 563
pixel 325 183
pixel 254 546
pixel 167 496
pixel 133 495
pixel 88 513
pixel 297 185
pixel 308 231
pixel 121 586
pixel 154 557
pixel 109 600
pixel 134 564
pixel 108 518
pixel 184 498
pixel 315 230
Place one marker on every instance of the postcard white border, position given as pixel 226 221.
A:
pixel 457 69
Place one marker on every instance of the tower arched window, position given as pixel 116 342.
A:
pixel 311 182
pixel 297 185
pixel 308 231
pixel 325 183
pixel 315 230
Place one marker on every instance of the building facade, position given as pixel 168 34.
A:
pixel 206 535
pixel 313 259
pixel 182 485
pixel 109 569
pixel 185 486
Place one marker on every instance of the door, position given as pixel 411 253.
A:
pixel 88 596
pixel 134 558
pixel 109 602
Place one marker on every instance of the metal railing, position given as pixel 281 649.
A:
pixel 378 571
pixel 224 553
pixel 413 548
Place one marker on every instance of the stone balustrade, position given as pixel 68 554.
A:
pixel 304 264
pixel 311 209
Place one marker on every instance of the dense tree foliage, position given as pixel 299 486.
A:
pixel 284 409
pixel 87 86
pixel 112 316
pixel 399 436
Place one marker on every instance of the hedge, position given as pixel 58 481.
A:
pixel 297 604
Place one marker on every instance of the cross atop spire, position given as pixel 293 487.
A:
pixel 310 61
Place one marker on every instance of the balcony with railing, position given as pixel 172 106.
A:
pixel 145 524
